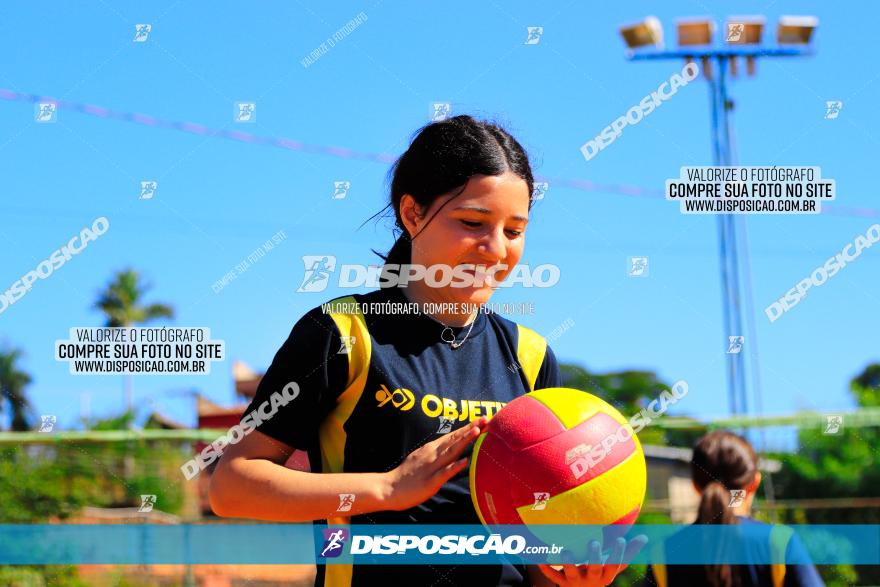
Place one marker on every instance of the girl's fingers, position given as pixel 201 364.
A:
pixel 452 469
pixel 614 564
pixel 552 574
pixel 455 443
pixel 458 436
pixel 593 570
pixel 634 548
pixel 573 573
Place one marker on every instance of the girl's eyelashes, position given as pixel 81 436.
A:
pixel 473 224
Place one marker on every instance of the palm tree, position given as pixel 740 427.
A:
pixel 122 304
pixel 12 384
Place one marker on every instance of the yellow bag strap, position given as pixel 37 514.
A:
pixel 353 327
pixel 530 351
pixel 779 539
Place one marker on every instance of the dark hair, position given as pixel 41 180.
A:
pixel 443 156
pixel 721 461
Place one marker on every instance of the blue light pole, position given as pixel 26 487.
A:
pixel 723 60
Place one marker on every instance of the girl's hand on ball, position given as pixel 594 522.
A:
pixel 595 574
pixel 428 467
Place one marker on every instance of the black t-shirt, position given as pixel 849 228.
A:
pixel 365 403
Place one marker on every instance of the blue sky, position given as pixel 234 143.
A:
pixel 220 199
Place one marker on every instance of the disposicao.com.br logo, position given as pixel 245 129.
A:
pixel 318 269
pixel 452 544
pixel 334 542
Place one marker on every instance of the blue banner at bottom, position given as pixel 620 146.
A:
pixel 145 544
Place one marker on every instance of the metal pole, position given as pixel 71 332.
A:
pixel 748 312
pixel 718 157
pixel 722 152
pixel 736 362
pixel 767 483
pixel 734 307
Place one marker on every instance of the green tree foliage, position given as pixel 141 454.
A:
pixel 840 465
pixel 39 482
pixel 846 464
pixel 121 301
pixel 629 392
pixel 12 385
pixel 40 576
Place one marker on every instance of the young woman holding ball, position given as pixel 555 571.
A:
pixel 390 403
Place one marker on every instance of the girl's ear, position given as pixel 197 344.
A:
pixel 410 214
pixel 753 486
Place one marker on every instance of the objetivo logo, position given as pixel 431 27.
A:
pixel 645 107
pixel 58 258
pixel 401 399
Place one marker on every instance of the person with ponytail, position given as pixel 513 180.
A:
pixel 386 404
pixel 724 470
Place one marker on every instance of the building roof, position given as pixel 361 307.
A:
pixel 246 379
pixel 159 420
pixel 207 408
pixel 677 453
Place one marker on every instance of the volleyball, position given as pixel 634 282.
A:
pixel 558 456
